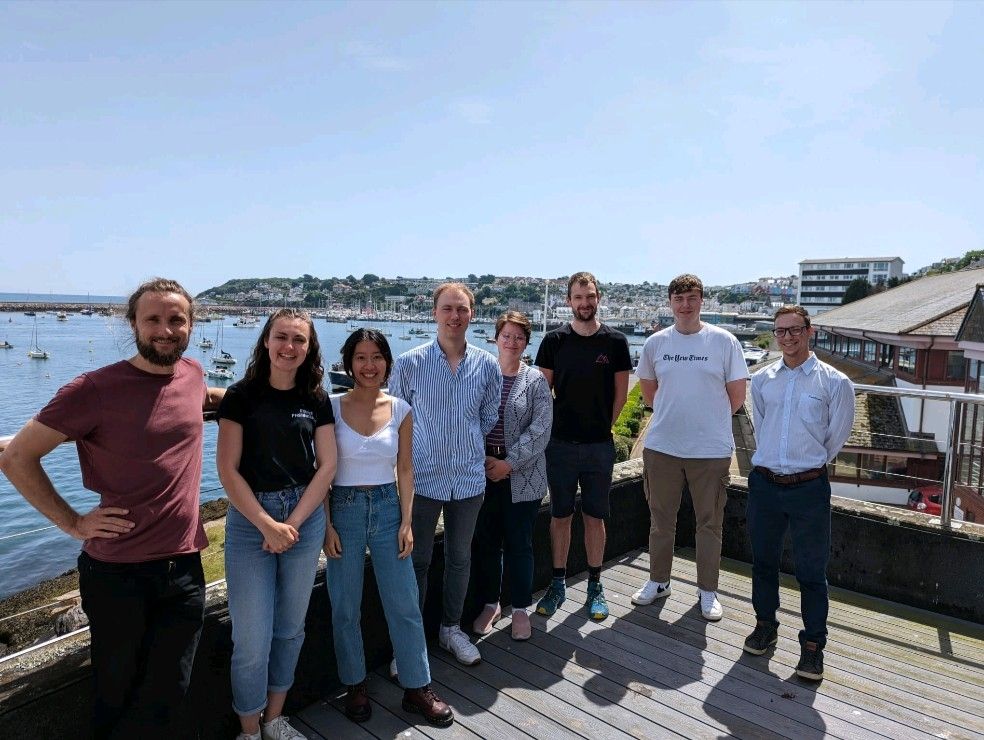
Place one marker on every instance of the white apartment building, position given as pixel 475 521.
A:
pixel 823 282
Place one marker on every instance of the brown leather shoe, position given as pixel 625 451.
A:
pixel 424 701
pixel 357 706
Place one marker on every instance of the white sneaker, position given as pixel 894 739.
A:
pixel 650 591
pixel 393 673
pixel 280 729
pixel 457 643
pixel 247 736
pixel 710 607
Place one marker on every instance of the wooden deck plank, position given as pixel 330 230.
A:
pixel 885 699
pixel 766 689
pixel 607 680
pixel 302 727
pixel 672 672
pixel 493 714
pixel 957 687
pixel 915 626
pixel 330 723
pixel 857 691
pixel 663 671
pixel 601 718
pixel 387 695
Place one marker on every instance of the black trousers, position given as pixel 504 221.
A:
pixel 144 620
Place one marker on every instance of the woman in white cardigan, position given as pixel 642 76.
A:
pixel 516 481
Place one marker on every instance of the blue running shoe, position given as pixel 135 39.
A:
pixel 552 599
pixel 596 604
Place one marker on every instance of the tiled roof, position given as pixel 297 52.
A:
pixel 909 308
pixel 946 326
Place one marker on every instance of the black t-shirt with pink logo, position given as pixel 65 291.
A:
pixel 278 433
pixel 583 380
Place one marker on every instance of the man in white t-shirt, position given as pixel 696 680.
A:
pixel 693 375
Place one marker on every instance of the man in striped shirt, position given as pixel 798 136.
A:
pixel 454 389
pixel 804 411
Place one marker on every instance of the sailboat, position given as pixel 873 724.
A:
pixel 205 342
pixel 87 311
pixel 221 358
pixel 36 353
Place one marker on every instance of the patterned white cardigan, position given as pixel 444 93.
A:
pixel 526 420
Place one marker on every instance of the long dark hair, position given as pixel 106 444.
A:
pixel 366 335
pixel 309 374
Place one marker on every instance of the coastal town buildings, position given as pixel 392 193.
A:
pixel 823 282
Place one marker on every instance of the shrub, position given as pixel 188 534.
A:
pixel 623 448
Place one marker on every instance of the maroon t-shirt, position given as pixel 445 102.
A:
pixel 139 438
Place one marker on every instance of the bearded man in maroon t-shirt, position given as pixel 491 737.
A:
pixel 137 425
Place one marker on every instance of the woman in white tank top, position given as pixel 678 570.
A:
pixel 370 506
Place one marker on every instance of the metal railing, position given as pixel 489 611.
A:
pixel 955 402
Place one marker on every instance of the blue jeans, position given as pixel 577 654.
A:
pixel 369 516
pixel 268 599
pixel 805 509
pixel 504 527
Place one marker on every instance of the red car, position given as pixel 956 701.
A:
pixel 928 500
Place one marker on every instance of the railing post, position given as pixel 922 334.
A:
pixel 949 465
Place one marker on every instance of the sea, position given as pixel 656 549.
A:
pixel 31 550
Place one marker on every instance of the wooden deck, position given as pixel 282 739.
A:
pixel 663 671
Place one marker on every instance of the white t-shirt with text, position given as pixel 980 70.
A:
pixel 691 411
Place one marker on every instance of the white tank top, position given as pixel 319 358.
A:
pixel 368 461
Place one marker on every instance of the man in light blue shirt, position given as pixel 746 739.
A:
pixel 453 388
pixel 804 411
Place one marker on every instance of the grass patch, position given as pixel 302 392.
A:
pixel 213 556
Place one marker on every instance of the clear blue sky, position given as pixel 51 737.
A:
pixel 207 141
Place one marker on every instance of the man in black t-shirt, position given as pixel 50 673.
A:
pixel 587 364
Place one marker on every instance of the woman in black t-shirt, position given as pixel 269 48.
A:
pixel 276 459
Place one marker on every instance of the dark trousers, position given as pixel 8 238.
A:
pixel 506 528
pixel 805 509
pixel 144 620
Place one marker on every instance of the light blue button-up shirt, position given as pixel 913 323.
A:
pixel 803 415
pixel 452 413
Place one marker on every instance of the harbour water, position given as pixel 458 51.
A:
pixel 83 343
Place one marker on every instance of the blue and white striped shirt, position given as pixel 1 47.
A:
pixel 803 416
pixel 452 413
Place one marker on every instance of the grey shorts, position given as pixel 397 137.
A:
pixel 588 464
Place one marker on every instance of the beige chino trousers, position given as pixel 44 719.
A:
pixel 663 482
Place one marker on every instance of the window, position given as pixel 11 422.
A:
pixel 870 351
pixel 907 360
pixel 955 366
pixel 854 348
pixel 881 265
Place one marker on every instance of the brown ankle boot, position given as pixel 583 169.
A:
pixel 357 706
pixel 424 701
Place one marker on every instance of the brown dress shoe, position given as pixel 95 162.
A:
pixel 424 701
pixel 357 706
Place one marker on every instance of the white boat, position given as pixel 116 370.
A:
pixel 6 345
pixel 61 316
pixel 220 373
pixel 247 322
pixel 36 353
pixel 221 358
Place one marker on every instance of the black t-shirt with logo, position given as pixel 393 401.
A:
pixel 278 433
pixel 583 380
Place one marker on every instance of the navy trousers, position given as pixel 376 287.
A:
pixel 805 510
